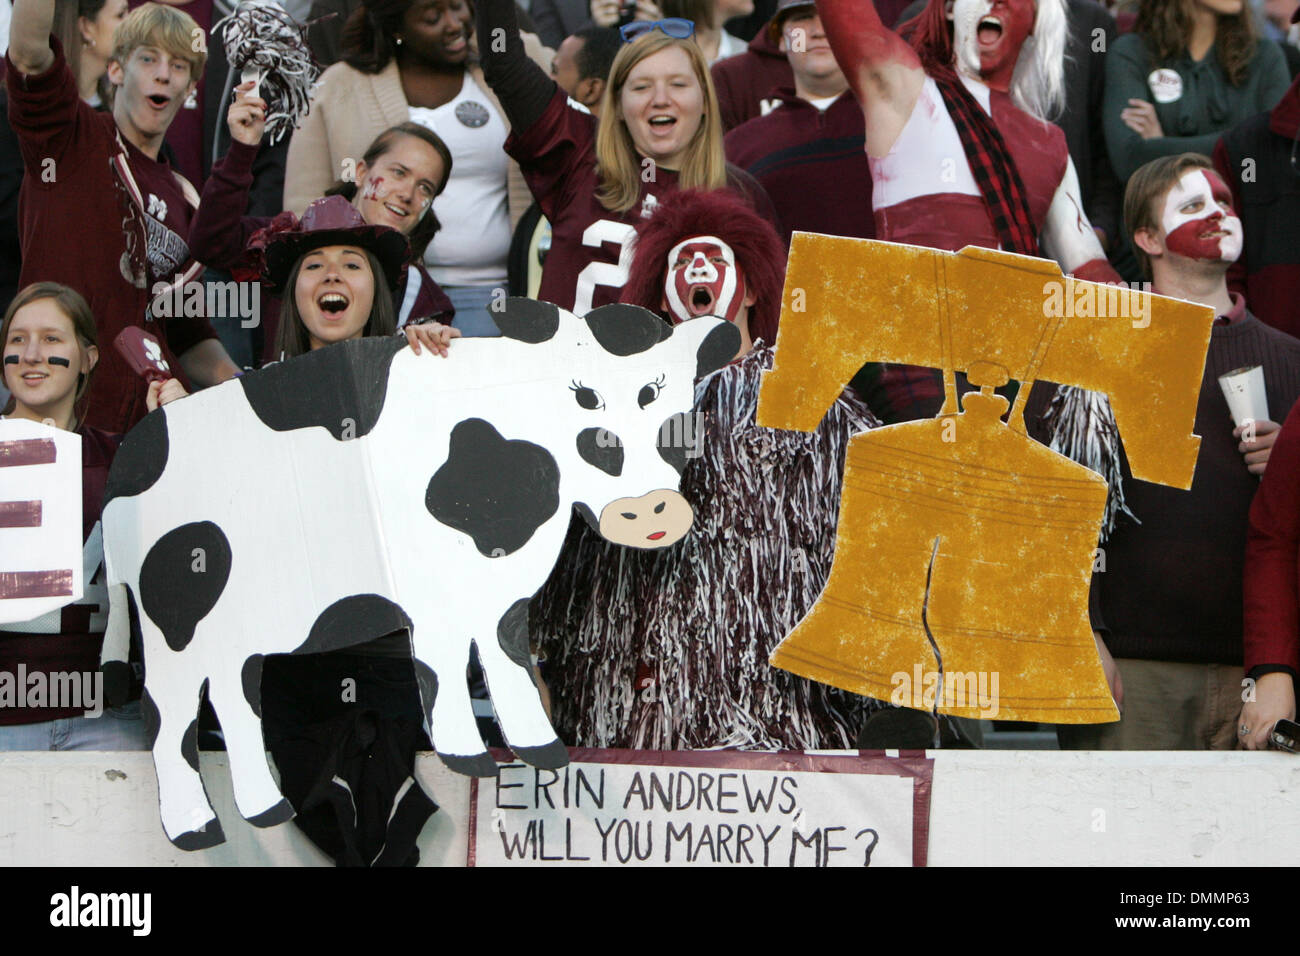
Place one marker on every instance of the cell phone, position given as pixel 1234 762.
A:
pixel 1285 736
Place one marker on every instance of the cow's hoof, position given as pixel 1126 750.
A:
pixel 273 817
pixel 210 834
pixel 475 765
pixel 550 756
pixel 117 682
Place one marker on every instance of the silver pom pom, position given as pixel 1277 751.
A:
pixel 262 40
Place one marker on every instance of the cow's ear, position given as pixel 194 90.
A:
pixel 526 320
pixel 717 345
pixel 627 329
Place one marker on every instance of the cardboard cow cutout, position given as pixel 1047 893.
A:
pixel 306 507
pixel 41 565
pixel 965 548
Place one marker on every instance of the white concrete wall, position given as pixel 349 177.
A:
pixel 1027 808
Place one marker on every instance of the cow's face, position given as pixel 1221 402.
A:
pixel 627 406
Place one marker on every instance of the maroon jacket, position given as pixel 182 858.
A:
pixel 811 163
pixel 220 235
pixel 1272 578
pixel 746 80
pixel 75 646
pixel 98 215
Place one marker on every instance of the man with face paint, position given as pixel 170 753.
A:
pixel 704 279
pixel 669 651
pixel 960 149
pixel 1167 610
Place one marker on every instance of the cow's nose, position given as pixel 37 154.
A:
pixel 653 520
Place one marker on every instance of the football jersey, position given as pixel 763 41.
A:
pixel 591 247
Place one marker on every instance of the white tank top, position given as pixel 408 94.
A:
pixel 474 242
pixel 931 135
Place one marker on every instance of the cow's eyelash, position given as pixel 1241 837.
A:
pixel 586 396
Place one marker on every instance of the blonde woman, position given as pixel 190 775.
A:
pixel 595 179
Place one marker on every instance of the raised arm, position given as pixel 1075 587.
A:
pixel 29 35
pixel 882 68
pixel 220 232
pixel 521 85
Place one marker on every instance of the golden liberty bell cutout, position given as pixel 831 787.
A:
pixel 965 548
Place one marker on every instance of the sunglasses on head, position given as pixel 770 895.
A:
pixel 677 27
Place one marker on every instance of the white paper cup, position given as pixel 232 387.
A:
pixel 1244 390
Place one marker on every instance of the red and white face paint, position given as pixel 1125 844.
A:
pixel 703 279
pixel 988 36
pixel 1198 218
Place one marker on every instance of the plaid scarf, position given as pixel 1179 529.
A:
pixel 992 166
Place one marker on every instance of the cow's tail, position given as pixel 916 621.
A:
pixel 114 659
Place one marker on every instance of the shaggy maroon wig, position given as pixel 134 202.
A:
pixel 930 34
pixel 760 253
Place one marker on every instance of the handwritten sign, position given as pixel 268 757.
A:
pixel 704 808
pixel 40 519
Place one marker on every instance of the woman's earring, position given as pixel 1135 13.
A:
pixel 397 40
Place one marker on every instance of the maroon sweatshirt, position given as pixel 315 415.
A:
pixel 74 646
pixel 98 215
pixel 746 80
pixel 812 164
pixel 220 234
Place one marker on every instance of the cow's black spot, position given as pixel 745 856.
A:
pixel 588 515
pixel 250 676
pixel 628 329
pixel 209 835
pixel 550 756
pixel 526 320
pixel 152 718
pixel 470 765
pixel 718 348
pixel 140 459
pixel 497 491
pixel 601 448
pixel 353 620
pixel 340 388
pixel 280 813
pixel 190 744
pixel 428 681
pixel 512 635
pixel 672 440
pixel 182 577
